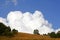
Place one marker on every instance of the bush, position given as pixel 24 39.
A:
pixel 14 31
pixel 9 34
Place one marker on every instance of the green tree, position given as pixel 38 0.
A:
pixel 5 31
pixel 36 32
pixel 2 28
pixel 52 35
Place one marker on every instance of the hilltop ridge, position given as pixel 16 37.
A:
pixel 26 36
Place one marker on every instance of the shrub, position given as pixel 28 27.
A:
pixel 14 31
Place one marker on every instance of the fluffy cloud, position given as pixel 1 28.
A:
pixel 27 22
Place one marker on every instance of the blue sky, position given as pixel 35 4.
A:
pixel 49 8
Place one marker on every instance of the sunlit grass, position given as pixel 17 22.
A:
pixel 25 36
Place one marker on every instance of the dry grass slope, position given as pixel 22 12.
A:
pixel 25 36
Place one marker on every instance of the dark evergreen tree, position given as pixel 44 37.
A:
pixel 6 31
pixel 2 28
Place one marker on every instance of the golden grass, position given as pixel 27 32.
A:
pixel 25 36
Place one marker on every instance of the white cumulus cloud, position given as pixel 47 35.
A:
pixel 27 22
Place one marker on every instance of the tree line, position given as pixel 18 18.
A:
pixel 52 34
pixel 6 31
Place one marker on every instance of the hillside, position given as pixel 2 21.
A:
pixel 25 36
